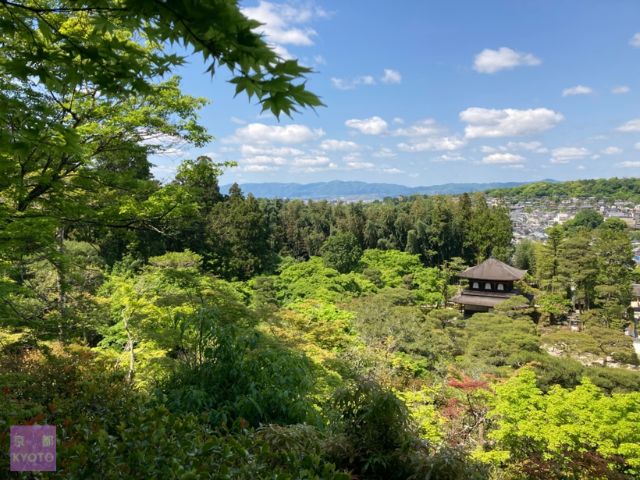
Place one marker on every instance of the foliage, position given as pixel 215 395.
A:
pixel 245 379
pixel 577 433
pixel 497 339
pixel 341 251
pixel 364 410
pixel 601 188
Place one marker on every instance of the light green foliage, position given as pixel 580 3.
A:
pixel 391 268
pixel 322 323
pixel 421 404
pixel 562 424
pixel 172 307
pixel 313 279
pixel 392 265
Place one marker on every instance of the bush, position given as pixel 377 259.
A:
pixel 245 380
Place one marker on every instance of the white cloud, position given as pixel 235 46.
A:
pixel 339 145
pixel 249 150
pixel 434 144
pixel 488 123
pixel 288 134
pixel 566 154
pixel 398 120
pixel 630 126
pixel 577 90
pixel 352 157
pixel 635 40
pixel 491 61
pixel 535 147
pixel 447 157
pixel 637 146
pixel 283 23
pixel 350 84
pixel 368 126
pixel 611 151
pixel 264 160
pixel 503 159
pixel 385 152
pixel 311 161
pixel 621 89
pixel 359 165
pixel 392 171
pixel 259 168
pixel 629 164
pixel 391 76
pixel 421 128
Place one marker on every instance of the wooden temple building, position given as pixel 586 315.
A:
pixel 490 283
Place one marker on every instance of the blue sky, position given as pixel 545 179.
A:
pixel 430 92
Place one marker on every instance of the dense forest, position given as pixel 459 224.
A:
pixel 171 331
pixel 626 189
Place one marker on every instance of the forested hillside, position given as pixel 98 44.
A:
pixel 171 331
pixel 601 188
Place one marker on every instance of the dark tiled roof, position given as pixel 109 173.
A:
pixel 492 269
pixel 478 300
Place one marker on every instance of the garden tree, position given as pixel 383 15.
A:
pixel 200 179
pixel 496 339
pixel 579 267
pixel 237 237
pixel 602 342
pixel 516 307
pixel 548 258
pixel 80 92
pixel 450 270
pixel 67 43
pixel 171 307
pixel 524 255
pixel 313 279
pixel 578 433
pixel 403 328
pixel 615 264
pixel 552 306
pixel 490 230
pixel 304 228
pixel 341 251
pixel 586 219
pixel 614 224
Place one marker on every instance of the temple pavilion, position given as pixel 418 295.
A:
pixel 490 283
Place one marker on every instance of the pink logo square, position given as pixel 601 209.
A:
pixel 33 448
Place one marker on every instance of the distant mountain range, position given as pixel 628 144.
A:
pixel 357 191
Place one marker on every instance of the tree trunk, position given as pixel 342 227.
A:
pixel 60 282
pixel 130 347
